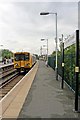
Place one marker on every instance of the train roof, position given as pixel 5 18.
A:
pixel 25 53
pixel 21 53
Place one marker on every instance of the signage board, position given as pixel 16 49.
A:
pixel 70 40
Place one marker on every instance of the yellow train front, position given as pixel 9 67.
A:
pixel 23 61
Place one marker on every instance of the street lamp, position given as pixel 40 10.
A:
pixel 47 49
pixel 47 13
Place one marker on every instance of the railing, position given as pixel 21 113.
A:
pixel 69 68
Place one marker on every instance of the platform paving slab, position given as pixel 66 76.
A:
pixel 46 99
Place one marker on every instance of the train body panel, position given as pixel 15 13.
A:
pixel 23 61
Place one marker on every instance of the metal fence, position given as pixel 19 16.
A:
pixel 69 68
pixel 51 61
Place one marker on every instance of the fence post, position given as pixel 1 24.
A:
pixel 77 70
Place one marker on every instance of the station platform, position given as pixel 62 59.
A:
pixel 46 99
pixel 5 65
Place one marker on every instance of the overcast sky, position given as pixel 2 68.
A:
pixel 22 27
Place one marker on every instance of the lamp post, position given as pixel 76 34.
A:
pixel 41 50
pixel 47 49
pixel 47 13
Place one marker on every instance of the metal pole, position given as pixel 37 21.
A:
pixel 47 52
pixel 77 70
pixel 56 50
pixel 62 63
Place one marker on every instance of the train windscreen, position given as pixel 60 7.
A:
pixel 19 57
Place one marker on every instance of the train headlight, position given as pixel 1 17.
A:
pixel 28 64
pixel 16 65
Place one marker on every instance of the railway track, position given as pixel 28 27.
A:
pixel 9 77
pixel 6 67
pixel 9 84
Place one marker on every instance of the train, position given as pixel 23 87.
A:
pixel 23 61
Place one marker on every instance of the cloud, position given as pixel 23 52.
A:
pixel 38 1
pixel 22 27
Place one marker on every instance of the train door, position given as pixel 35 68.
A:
pixel 22 60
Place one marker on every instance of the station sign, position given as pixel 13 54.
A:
pixel 70 40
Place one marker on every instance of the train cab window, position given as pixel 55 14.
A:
pixel 22 57
pixel 17 57
pixel 27 57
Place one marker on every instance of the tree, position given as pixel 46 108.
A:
pixel 6 53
